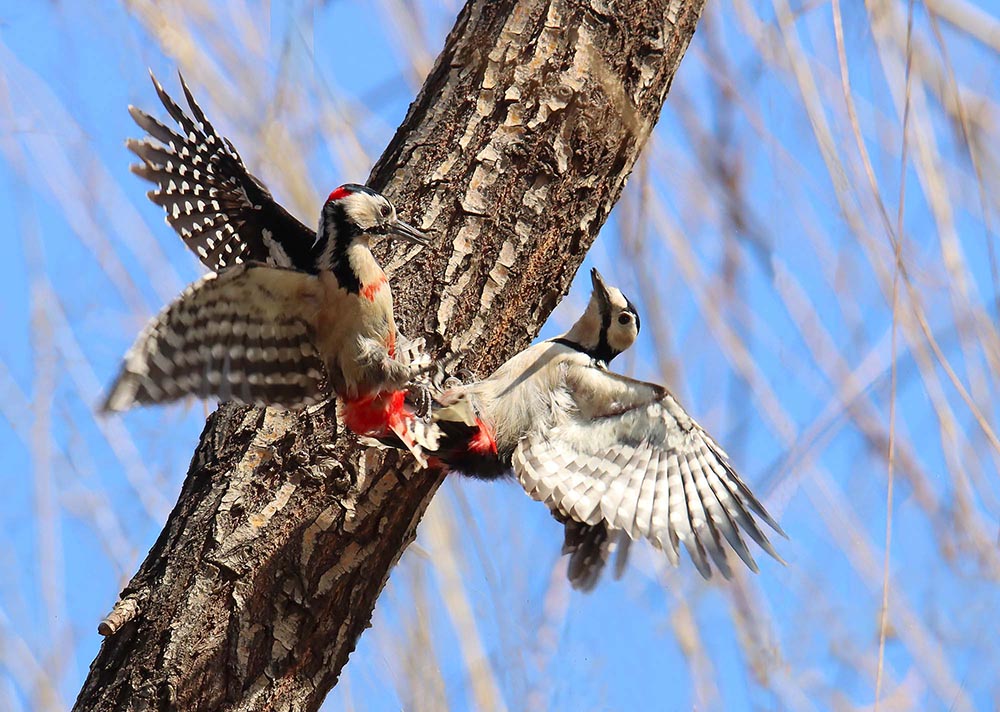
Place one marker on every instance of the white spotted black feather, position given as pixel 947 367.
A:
pixel 225 215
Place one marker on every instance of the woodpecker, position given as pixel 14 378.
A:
pixel 614 458
pixel 289 316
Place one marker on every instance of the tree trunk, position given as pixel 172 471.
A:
pixel 516 149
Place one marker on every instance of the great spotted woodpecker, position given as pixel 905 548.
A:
pixel 614 458
pixel 290 316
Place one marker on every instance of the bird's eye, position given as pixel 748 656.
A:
pixel 386 211
pixel 625 318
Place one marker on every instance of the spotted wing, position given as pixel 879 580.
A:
pixel 639 464
pixel 223 213
pixel 244 335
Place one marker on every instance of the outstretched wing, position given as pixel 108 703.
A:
pixel 645 467
pixel 244 335
pixel 224 214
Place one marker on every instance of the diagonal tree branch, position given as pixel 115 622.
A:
pixel 283 536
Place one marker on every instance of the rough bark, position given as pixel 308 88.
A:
pixel 283 536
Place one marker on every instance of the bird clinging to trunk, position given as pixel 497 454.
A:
pixel 290 316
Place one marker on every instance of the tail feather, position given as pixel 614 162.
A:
pixel 467 442
pixel 589 547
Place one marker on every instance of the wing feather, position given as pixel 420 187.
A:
pixel 645 496
pixel 680 524
pixel 633 474
pixel 616 475
pixel 246 335
pixel 699 543
pixel 224 214
pixel 663 534
pixel 645 468
pixel 589 506
pixel 723 522
pixel 704 534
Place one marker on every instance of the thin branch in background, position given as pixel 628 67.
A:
pixel 513 670
pixel 47 520
pixel 835 511
pixel 555 607
pixel 884 612
pixel 689 637
pixel 48 517
pixel 426 691
pixel 928 651
pixel 76 181
pixel 965 127
pixel 89 389
pixel 35 680
pixel 819 124
pixel 440 531
pixel 935 190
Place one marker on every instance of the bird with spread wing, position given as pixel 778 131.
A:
pixel 290 316
pixel 614 458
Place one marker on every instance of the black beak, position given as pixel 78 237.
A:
pixel 600 289
pixel 408 233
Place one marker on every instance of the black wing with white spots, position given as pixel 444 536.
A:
pixel 222 212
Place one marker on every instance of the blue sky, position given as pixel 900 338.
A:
pixel 763 274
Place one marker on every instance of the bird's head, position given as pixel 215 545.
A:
pixel 356 212
pixel 609 325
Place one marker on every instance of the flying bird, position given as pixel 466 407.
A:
pixel 612 457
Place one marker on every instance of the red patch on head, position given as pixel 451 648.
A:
pixel 341 192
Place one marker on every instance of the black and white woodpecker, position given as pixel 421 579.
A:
pixel 615 459
pixel 289 316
